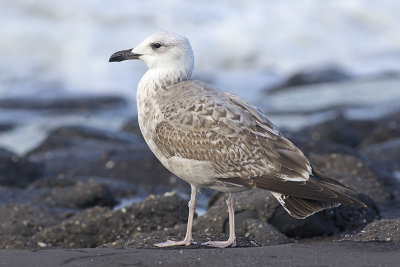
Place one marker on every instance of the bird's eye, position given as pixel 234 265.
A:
pixel 156 45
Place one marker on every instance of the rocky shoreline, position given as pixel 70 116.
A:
pixel 69 191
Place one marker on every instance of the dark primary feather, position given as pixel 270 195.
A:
pixel 310 189
pixel 324 178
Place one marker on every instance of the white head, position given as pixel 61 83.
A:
pixel 164 50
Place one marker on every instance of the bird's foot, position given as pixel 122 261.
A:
pixel 171 243
pixel 220 244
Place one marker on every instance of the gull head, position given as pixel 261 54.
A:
pixel 164 50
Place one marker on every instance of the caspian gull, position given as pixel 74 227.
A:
pixel 215 139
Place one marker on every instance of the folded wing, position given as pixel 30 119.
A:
pixel 243 147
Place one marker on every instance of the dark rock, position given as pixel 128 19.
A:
pixel 16 242
pixel 263 233
pixel 338 130
pixel 132 126
pixel 81 230
pixel 48 183
pixel 70 194
pixel 386 152
pixel 384 230
pixel 118 188
pixel 386 128
pixel 386 155
pixel 25 219
pixel 6 126
pixel 309 147
pixel 153 213
pixel 349 218
pixel 81 195
pixel 315 225
pixel 16 195
pixel 74 104
pixel 315 76
pixel 68 136
pixel 83 151
pixel 97 226
pixel 390 210
pixel 16 170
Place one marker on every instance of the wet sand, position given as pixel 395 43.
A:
pixel 316 254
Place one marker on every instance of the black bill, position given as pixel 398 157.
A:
pixel 123 55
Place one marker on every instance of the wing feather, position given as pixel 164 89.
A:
pixel 243 147
pixel 204 123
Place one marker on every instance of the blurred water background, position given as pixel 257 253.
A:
pixel 55 50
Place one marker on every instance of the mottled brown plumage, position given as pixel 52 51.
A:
pixel 215 139
pixel 243 147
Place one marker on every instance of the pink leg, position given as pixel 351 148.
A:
pixel 231 242
pixel 188 238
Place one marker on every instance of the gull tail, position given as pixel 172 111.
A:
pixel 302 207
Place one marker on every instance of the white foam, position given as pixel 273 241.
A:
pixel 69 42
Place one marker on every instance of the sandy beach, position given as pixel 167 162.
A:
pixel 317 254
